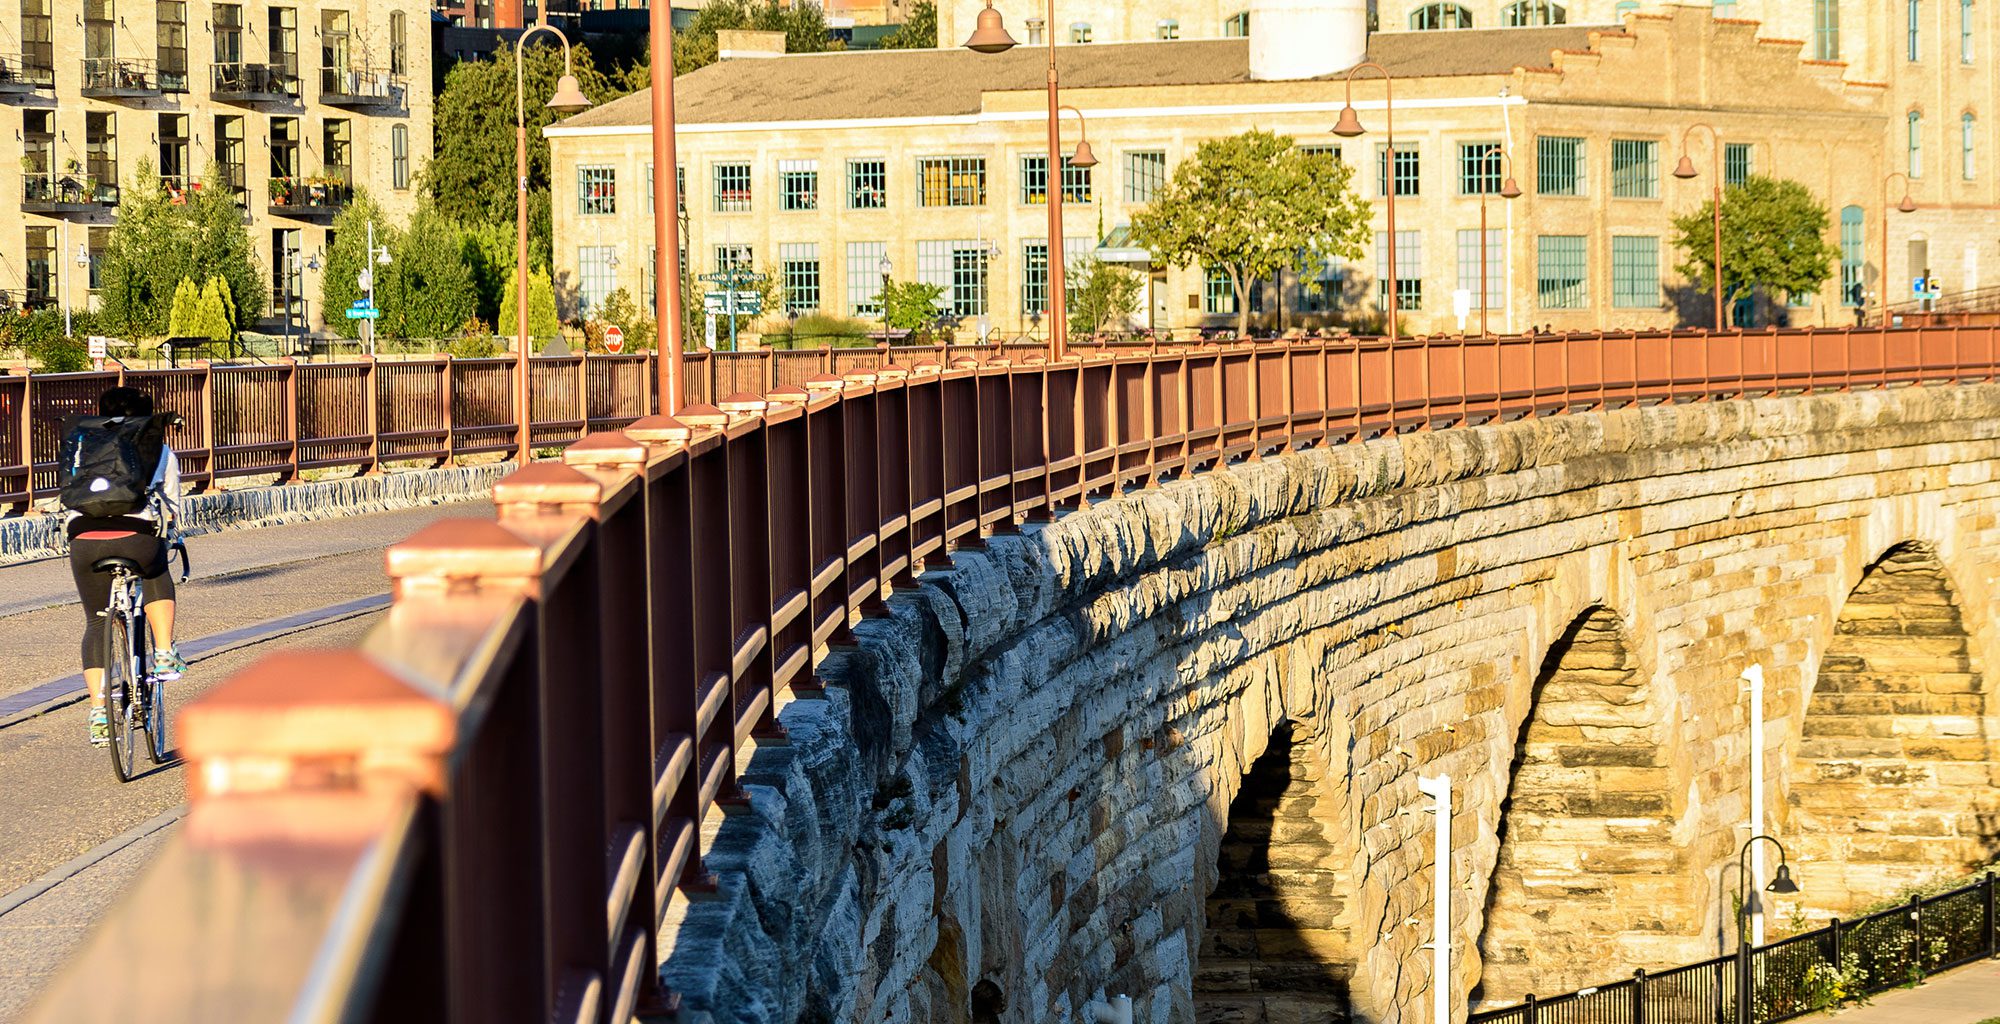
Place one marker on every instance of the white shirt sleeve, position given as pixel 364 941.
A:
pixel 167 480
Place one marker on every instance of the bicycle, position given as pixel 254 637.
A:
pixel 134 700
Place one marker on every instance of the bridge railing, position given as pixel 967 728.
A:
pixel 492 810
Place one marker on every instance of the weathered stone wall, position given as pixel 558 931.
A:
pixel 1013 794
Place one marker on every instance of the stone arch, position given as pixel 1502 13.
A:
pixel 1278 942
pixel 1590 871
pixel 1893 778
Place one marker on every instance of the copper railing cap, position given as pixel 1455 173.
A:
pixel 788 394
pixel 609 447
pixel 826 382
pixel 929 366
pixel 744 403
pixel 659 430
pixel 703 416
pixel 547 483
pixel 464 549
pixel 893 371
pixel 860 378
pixel 316 704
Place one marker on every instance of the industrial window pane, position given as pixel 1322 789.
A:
pixel 1035 181
pixel 597 276
pixel 1478 168
pixel 1496 266
pixel 1826 30
pixel 867 184
pixel 1913 18
pixel 596 190
pixel 1635 271
pixel 732 188
pixel 1034 278
pixel 1965 31
pixel 799 262
pixel 1169 28
pixel 952 181
pixel 1967 141
pixel 733 257
pixel 1409 269
pixel 1738 163
pixel 1079 32
pixel 1635 169
pixel 1145 175
pixel 864 277
pixel 1408 169
pixel 172 51
pixel 1852 237
pixel 1725 8
pixel 1430 17
pixel 1916 145
pixel 1218 293
pixel 1559 166
pixel 1325 288
pixel 1533 12
pixel 1237 25
pixel 798 184
pixel 399 156
pixel 1561 280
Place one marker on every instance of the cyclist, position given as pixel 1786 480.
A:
pixel 140 536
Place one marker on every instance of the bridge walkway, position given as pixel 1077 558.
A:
pixel 1969 995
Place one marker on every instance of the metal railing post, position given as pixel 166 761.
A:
pixel 26 443
pixel 1992 918
pixel 371 415
pixel 1639 996
pixel 445 417
pixel 1531 1008
pixel 291 415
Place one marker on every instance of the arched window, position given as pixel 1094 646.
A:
pixel 1916 145
pixel 1626 7
pixel 1533 12
pixel 1436 16
pixel 1170 28
pixel 1826 30
pixel 1079 32
pixel 1851 239
pixel 1966 134
pixel 1965 31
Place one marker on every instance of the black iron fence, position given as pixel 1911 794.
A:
pixel 1793 976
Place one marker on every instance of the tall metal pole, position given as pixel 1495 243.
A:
pixel 1348 127
pixel 1439 790
pixel 1906 206
pixel 1058 285
pixel 1482 262
pixel 1686 170
pixel 1754 676
pixel 368 274
pixel 667 313
pixel 521 451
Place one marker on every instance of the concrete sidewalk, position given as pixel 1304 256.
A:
pixel 1964 996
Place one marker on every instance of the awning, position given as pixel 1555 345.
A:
pixel 1119 247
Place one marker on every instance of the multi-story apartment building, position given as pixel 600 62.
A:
pixel 297 103
pixel 937 161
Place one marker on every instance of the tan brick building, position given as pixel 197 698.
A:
pixel 299 102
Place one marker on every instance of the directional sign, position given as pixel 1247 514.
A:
pixel 362 303
pixel 735 277
pixel 747 303
pixel 364 314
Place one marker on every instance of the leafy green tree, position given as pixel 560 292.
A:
pixel 628 316
pixel 471 173
pixel 919 30
pixel 1773 237
pixel 542 320
pixel 1250 205
pixel 1104 295
pixel 187 306
pixel 804 26
pixel 911 305
pixel 427 291
pixel 340 283
pixel 212 315
pixel 158 242
pixel 488 253
pixel 39 336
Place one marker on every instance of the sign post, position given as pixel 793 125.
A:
pixel 709 333
pixel 734 300
pixel 614 339
pixel 99 346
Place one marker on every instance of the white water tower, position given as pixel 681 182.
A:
pixel 1299 39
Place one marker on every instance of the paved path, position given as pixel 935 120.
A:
pixel 1964 996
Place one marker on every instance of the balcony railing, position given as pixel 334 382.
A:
pixel 70 192
pixel 19 76
pixel 357 87
pixel 119 78
pixel 318 197
pixel 252 83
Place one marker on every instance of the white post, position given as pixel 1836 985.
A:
pixel 368 261
pixel 1754 675
pixel 62 263
pixel 1439 790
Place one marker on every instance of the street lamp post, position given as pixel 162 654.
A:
pixel 1782 885
pixel 1685 171
pixel 376 256
pixel 568 99
pixel 668 317
pixel 1906 206
pixel 1349 127
pixel 886 268
pixel 1509 189
pixel 990 36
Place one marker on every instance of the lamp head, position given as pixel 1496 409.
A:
pixel 1685 169
pixel 988 34
pixel 569 98
pixel 1349 125
pixel 885 266
pixel 1083 156
pixel 1510 189
pixel 1906 206
pixel 1783 884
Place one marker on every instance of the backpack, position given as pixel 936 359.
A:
pixel 107 463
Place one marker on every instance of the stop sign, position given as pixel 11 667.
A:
pixel 614 340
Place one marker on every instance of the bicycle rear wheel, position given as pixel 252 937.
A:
pixel 156 718
pixel 121 695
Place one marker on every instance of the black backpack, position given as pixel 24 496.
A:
pixel 107 463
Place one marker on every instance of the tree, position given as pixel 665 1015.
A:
pixel 1773 237
pixel 804 26
pixel 910 305
pixel 340 283
pixel 182 323
pixel 628 316
pixel 1250 205
pixel 212 315
pixel 919 30
pixel 158 242
pixel 1105 295
pixel 488 252
pixel 427 290
pixel 542 320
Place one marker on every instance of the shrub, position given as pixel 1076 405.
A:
pixel 821 330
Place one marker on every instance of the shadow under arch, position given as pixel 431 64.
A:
pixel 1893 781
pixel 1278 942
pixel 1590 877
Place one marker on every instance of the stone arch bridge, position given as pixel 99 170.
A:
pixel 1162 744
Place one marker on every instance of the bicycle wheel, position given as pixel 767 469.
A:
pixel 156 714
pixel 120 692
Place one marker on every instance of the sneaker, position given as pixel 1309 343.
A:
pixel 100 728
pixel 167 665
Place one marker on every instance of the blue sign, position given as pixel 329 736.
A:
pixel 363 304
pixel 364 314
pixel 1918 286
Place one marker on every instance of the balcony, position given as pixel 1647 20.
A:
pixel 62 194
pixel 115 78
pixel 253 83
pixel 314 198
pixel 17 76
pixel 359 87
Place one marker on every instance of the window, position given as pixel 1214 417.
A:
pixel 1478 168
pixel 173 133
pixel 680 188
pixel 1034 278
pixel 1035 181
pixel 1034 31
pixel 399 44
pixel 1321 149
pixel 952 181
pixel 1626 7
pixel 1725 8
pixel 1916 145
pixel 284 40
pixel 867 184
pixel 39 134
pixel 732 188
pixel 1967 135
pixel 1079 32
pixel 1738 163
pixel 287 279
pixel 1560 281
pixel 97 24
pixel 1965 31
pixel 733 257
pixel 100 148
pixel 1635 169
pixel 1912 19
pixel 1533 12
pixel 38 41
pixel 336 150
pixel 596 276
pixel 799 262
pixel 1218 293
pixel 1409 269
pixel 1169 28
pixel 172 52
pixel 1852 237
pixel 399 156
pixel 98 240
pixel 229 151
pixel 1496 266
pixel 1408 169
pixel 333 50
pixel 1237 25
pixel 41 266
pixel 285 147
pixel 1145 174
pixel 1437 16
pixel 864 277
pixel 1324 291
pixel 1799 300
pixel 798 185
pixel 1635 272
pixel 1559 166
pixel 1826 30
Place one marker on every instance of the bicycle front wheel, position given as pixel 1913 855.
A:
pixel 121 686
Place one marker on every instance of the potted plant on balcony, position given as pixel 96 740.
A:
pixel 281 191
pixel 316 190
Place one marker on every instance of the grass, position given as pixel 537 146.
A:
pixel 1991 1020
